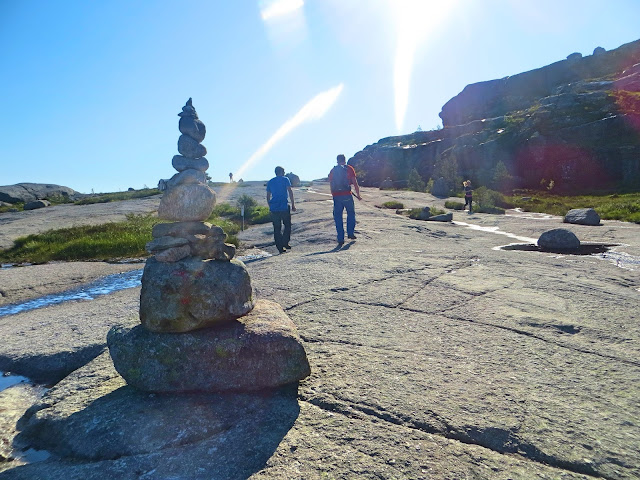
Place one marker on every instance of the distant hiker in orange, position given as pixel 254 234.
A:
pixel 341 178
pixel 468 194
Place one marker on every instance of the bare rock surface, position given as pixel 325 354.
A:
pixel 434 354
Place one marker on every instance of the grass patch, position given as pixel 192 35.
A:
pixel 453 205
pixel 393 204
pixel 101 242
pixel 624 207
pixel 118 196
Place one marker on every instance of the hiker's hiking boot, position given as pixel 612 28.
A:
pixel 340 243
pixel 282 250
pixel 287 246
pixel 352 237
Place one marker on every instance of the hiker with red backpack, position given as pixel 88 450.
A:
pixel 341 178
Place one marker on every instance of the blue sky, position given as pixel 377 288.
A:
pixel 91 89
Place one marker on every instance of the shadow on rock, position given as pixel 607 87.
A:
pixel 229 435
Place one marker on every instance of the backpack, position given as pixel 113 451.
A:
pixel 339 179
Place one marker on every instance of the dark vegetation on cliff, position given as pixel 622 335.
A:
pixel 572 127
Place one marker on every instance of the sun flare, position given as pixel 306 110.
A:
pixel 416 23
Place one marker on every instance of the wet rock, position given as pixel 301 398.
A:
pixel 558 239
pixel 582 216
pixel 189 148
pixel 36 204
pixel 192 202
pixel 181 163
pixel 259 350
pixel 192 294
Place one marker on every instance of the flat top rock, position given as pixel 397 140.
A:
pixel 433 354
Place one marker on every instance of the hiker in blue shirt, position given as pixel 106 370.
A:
pixel 277 189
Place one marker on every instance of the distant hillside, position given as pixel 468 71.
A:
pixel 574 125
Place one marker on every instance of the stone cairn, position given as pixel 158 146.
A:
pixel 201 329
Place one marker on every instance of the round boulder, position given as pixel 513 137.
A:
pixel 187 203
pixel 189 148
pixel 192 293
pixel 582 216
pixel 257 351
pixel 558 239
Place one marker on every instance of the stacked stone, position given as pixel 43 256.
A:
pixel 188 200
pixel 201 329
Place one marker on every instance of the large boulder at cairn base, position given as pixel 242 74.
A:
pixel 582 216
pixel 257 351
pixel 558 239
pixel 187 203
pixel 193 293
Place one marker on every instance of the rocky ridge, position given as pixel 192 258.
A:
pixel 576 122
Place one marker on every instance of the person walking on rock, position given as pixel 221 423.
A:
pixel 341 178
pixel 468 194
pixel 277 189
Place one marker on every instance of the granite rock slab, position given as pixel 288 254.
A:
pixel 259 350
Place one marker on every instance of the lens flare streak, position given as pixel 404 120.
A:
pixel 313 110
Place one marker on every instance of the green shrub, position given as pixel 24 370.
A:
pixel 415 182
pixel 260 214
pixel 452 204
pixel 248 202
pixel 99 242
pixel 225 210
pixel 394 204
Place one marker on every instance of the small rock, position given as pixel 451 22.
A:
pixel 445 217
pixel 181 229
pixel 164 243
pixel 189 148
pixel 558 239
pixel 181 163
pixel 188 176
pixel 582 216
pixel 36 204
pixel 175 254
pixel 440 188
pixel 192 202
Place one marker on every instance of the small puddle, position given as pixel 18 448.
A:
pixel 8 380
pixel 102 286
pixel 604 251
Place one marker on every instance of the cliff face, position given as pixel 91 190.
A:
pixel 576 122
